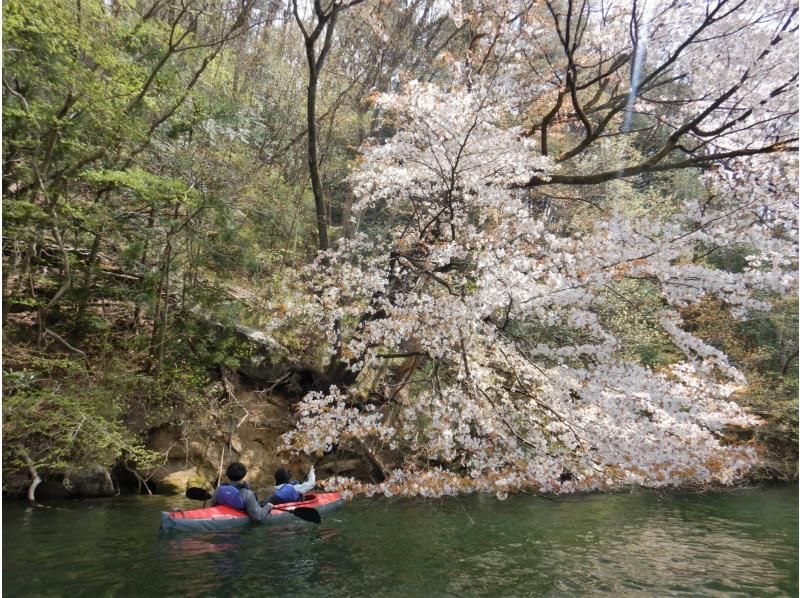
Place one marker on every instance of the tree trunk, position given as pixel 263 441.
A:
pixel 313 160
pixel 137 312
pixel 36 480
pixel 87 279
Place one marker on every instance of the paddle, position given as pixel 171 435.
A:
pixel 304 513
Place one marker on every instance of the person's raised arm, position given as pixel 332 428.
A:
pixel 309 484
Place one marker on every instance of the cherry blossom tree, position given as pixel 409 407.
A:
pixel 512 374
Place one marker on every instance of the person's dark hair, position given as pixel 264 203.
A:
pixel 281 476
pixel 235 472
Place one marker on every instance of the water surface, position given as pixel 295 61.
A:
pixel 734 543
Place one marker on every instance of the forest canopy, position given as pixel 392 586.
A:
pixel 543 245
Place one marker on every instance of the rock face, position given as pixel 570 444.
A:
pixel 251 435
pixel 267 359
pixel 260 367
pixel 93 481
pixel 179 481
pixel 246 427
pixel 247 430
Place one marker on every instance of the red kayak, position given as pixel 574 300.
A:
pixel 223 517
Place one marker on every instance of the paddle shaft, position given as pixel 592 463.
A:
pixel 304 513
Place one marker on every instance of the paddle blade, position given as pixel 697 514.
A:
pixel 197 494
pixel 308 514
pixel 304 513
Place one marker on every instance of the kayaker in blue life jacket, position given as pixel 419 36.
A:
pixel 238 494
pixel 291 491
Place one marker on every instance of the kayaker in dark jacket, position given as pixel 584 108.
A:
pixel 238 494
pixel 291 491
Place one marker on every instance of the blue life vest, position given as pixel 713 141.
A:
pixel 286 493
pixel 230 495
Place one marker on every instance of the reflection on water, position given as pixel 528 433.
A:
pixel 734 543
pixel 223 550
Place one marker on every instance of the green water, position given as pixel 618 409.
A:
pixel 736 543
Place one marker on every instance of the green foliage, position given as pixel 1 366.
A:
pixel 63 415
pixel 149 187
pixel 73 422
pixel 730 259
pixel 629 312
pixel 765 348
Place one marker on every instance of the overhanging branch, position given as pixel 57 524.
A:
pixel 789 145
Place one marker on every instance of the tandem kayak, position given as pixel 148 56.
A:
pixel 223 517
